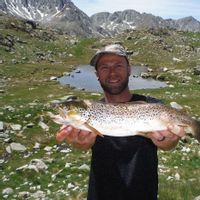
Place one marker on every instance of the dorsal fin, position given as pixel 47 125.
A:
pixel 136 102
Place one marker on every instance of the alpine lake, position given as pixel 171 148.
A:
pixel 84 78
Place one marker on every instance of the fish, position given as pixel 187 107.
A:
pixel 124 119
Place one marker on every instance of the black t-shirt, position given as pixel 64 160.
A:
pixel 124 168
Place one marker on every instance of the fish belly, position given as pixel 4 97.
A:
pixel 129 127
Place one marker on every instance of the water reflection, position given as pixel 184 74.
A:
pixel 84 78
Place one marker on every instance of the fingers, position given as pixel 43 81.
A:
pixel 157 135
pixel 172 132
pixel 78 138
pixel 177 130
pixel 63 133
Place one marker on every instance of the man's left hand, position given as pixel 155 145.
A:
pixel 167 139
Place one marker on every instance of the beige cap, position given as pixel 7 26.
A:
pixel 112 49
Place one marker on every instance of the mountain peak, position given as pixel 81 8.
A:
pixel 65 16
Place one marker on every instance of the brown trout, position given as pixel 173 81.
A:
pixel 124 119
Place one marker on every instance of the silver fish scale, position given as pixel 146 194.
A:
pixel 111 113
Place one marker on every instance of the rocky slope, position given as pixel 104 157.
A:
pixel 60 14
pixel 130 19
pixel 65 16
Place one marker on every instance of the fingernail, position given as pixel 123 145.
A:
pixel 69 128
pixel 170 126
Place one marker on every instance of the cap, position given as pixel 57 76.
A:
pixel 113 49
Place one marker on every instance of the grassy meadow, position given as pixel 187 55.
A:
pixel 27 92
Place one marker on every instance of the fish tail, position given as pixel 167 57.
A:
pixel 197 130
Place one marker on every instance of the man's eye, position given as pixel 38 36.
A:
pixel 119 65
pixel 103 67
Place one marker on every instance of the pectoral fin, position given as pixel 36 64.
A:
pixel 92 129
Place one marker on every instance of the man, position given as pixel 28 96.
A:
pixel 122 168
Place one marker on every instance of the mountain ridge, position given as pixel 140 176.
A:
pixel 67 17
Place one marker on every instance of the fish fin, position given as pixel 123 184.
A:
pixel 183 125
pixel 141 133
pixel 61 111
pixel 136 102
pixel 87 102
pixel 92 129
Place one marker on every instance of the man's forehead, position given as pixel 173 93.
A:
pixel 111 57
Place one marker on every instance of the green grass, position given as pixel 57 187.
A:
pixel 29 82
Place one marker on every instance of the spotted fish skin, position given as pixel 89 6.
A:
pixel 125 119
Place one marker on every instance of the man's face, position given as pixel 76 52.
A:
pixel 113 73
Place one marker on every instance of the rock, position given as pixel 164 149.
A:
pixel 165 69
pixel 198 51
pixel 43 126
pixel 36 146
pixel 48 148
pixel 2 91
pixel 197 198
pixel 10 108
pixel 176 59
pixel 35 164
pixel 4 135
pixel 177 176
pixel 38 195
pixel 1 126
pixel 17 147
pixel 30 125
pixel 176 105
pixel 53 78
pixel 24 194
pixel 14 61
pixel 15 127
pixel 145 75
pixel 70 186
pixel 129 38
pixel 7 191
pixel 84 167
pixel 177 71
pixel 160 77
pixel 77 71
pixel 149 69
pixel 198 82
pixel 196 70
pixel 8 150
pixel 66 74
pixel 1 61
pixel 28 115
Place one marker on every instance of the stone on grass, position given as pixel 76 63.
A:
pixel 17 147
pixel 7 191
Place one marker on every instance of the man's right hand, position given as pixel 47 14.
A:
pixel 78 138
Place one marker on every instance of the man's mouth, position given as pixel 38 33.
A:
pixel 114 81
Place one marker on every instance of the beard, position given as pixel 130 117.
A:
pixel 115 90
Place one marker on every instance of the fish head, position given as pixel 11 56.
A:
pixel 74 111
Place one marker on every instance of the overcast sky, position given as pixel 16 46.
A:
pixel 174 9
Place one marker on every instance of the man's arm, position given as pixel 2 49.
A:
pixel 78 138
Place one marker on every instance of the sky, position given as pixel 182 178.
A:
pixel 174 9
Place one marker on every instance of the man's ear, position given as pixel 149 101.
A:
pixel 97 75
pixel 129 70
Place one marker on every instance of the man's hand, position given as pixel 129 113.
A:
pixel 167 139
pixel 78 138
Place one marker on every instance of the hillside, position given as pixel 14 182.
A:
pixel 31 58
pixel 65 16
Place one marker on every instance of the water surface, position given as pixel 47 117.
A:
pixel 84 78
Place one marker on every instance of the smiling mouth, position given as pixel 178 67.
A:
pixel 114 81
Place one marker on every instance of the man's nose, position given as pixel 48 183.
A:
pixel 112 70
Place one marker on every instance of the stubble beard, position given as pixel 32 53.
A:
pixel 115 90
